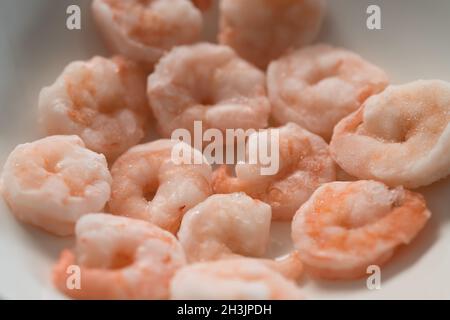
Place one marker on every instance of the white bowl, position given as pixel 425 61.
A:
pixel 35 46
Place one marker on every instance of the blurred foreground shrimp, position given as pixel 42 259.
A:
pixel 52 182
pixel 119 258
pixel 233 279
pixel 101 100
pixel 347 226
pixel 400 136
pixel 262 30
pixel 143 30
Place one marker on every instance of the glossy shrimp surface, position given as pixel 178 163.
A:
pixel 228 225
pixel 399 137
pixel 144 30
pixel 347 226
pixel 317 86
pixel 148 184
pixel 234 279
pixel 101 100
pixel 304 164
pixel 119 258
pixel 262 30
pixel 209 83
pixel 52 182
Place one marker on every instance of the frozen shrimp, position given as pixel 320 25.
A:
pixel 317 86
pixel 399 137
pixel 262 30
pixel 119 258
pixel 52 182
pixel 144 30
pixel 304 164
pixel 347 226
pixel 226 226
pixel 101 100
pixel 234 279
pixel 209 83
pixel 149 184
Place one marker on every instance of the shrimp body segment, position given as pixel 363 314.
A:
pixel 347 226
pixel 304 164
pixel 400 136
pixel 208 83
pixel 120 258
pixel 145 30
pixel 149 170
pixel 101 100
pixel 234 279
pixel 262 30
pixel 52 182
pixel 317 86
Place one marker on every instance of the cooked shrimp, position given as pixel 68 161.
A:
pixel 225 226
pixel 262 30
pixel 101 100
pixel 203 5
pixel 319 85
pixel 119 258
pixel 399 137
pixel 144 30
pixel 52 182
pixel 148 170
pixel 209 83
pixel 234 279
pixel 347 226
pixel 304 164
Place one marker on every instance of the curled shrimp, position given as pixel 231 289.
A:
pixel 317 86
pixel 101 100
pixel 119 258
pixel 262 30
pixel 209 83
pixel 52 182
pixel 226 226
pixel 234 279
pixel 149 170
pixel 304 164
pixel 347 226
pixel 145 30
pixel 400 136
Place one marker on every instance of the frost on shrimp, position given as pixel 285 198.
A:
pixel 262 30
pixel 209 83
pixel 52 182
pixel 145 30
pixel 234 279
pixel 148 184
pixel 120 258
pixel 317 86
pixel 304 164
pixel 101 100
pixel 346 226
pixel 226 226
pixel 400 136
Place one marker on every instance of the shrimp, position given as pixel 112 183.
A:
pixel 119 258
pixel 317 86
pixel 399 137
pixel 347 226
pixel 209 83
pixel 143 30
pixel 203 5
pixel 226 226
pixel 304 164
pixel 52 182
pixel 149 170
pixel 262 30
pixel 102 100
pixel 234 279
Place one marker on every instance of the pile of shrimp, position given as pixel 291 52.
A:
pixel 149 227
